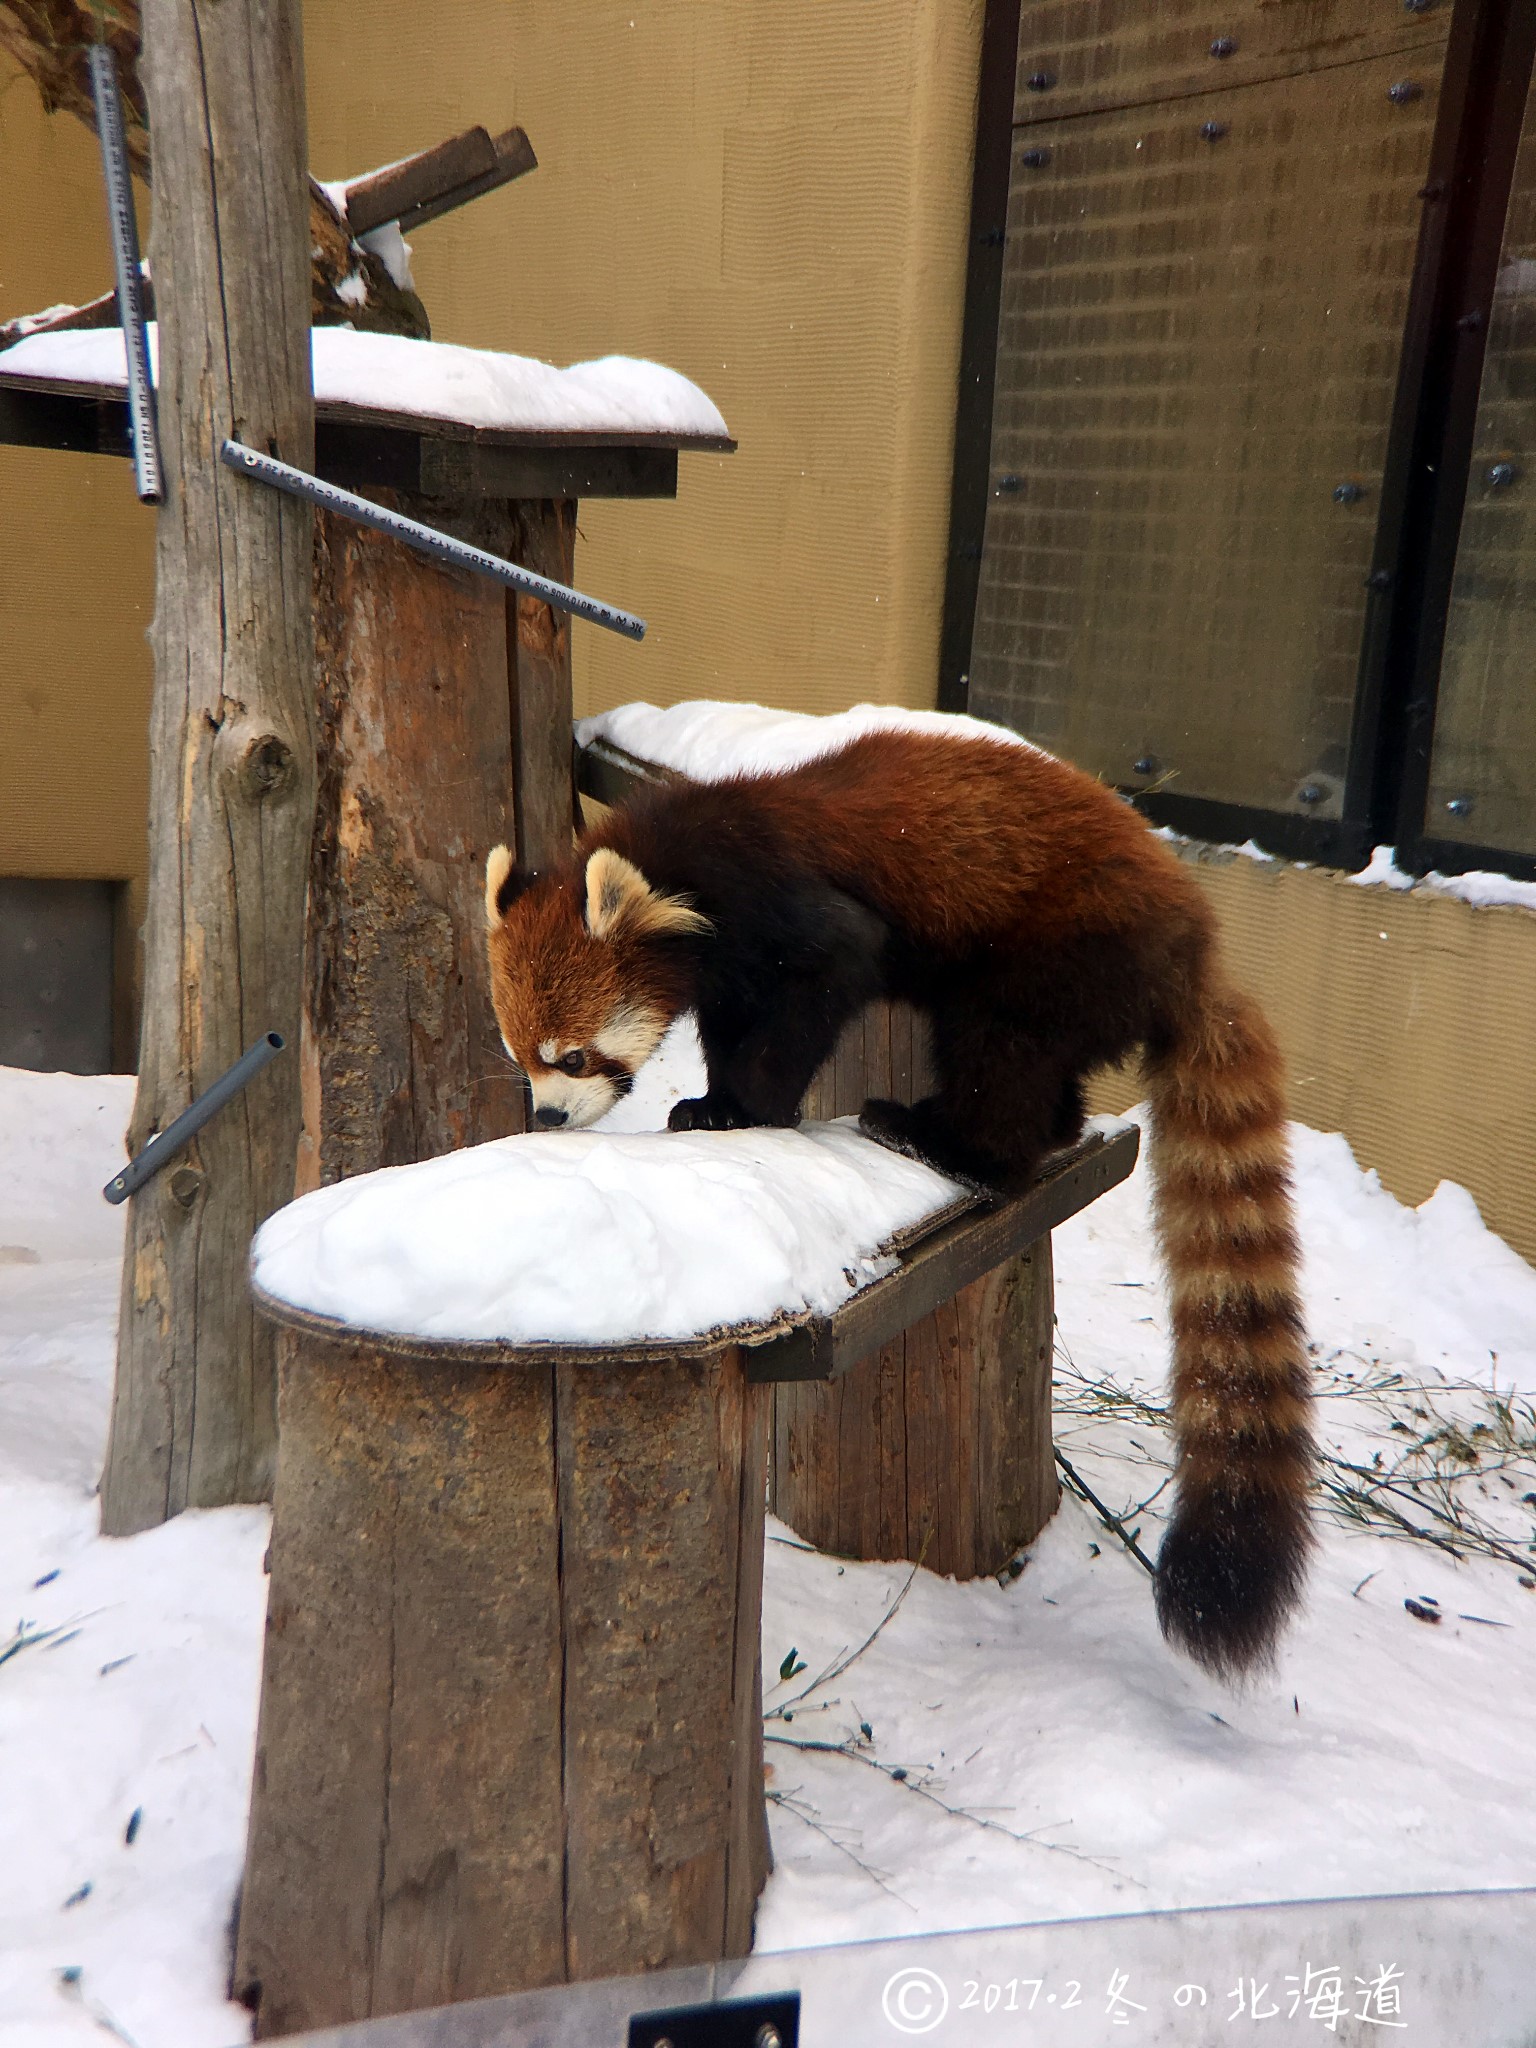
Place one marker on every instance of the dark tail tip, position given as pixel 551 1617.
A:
pixel 1229 1575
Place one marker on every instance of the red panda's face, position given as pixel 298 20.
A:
pixel 582 992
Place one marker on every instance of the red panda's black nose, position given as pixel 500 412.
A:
pixel 550 1118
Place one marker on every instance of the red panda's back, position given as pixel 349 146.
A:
pixel 960 839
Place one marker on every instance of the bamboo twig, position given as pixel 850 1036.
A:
pixel 1111 1522
pixel 899 1775
pixel 844 1660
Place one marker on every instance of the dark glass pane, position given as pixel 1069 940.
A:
pixel 1202 317
pixel 1483 771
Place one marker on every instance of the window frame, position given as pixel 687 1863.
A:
pixel 1490 54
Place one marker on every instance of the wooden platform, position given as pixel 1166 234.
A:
pixel 361 447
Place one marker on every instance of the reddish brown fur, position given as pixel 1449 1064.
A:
pixel 580 983
pixel 1046 931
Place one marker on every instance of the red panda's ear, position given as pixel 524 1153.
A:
pixel 505 881
pixel 620 899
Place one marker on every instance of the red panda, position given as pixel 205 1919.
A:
pixel 1045 931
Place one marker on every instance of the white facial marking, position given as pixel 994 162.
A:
pixel 549 1050
pixel 631 1035
pixel 583 1097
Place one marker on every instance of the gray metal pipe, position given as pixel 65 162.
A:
pixel 164 1146
pixel 125 259
pixel 298 483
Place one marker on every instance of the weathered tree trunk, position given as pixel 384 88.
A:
pixel 511 1714
pixel 539 647
pixel 440 695
pixel 402 1059
pixel 232 751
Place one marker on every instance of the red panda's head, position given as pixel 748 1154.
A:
pixel 586 975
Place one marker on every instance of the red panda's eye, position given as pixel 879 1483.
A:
pixel 572 1062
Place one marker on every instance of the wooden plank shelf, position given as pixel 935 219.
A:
pixel 360 447
pixel 937 1266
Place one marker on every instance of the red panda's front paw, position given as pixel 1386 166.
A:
pixel 708 1113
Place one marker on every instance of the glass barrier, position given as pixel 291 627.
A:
pixel 1438 1970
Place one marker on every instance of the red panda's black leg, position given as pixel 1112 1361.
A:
pixel 1003 1101
pixel 775 993
pixel 763 1076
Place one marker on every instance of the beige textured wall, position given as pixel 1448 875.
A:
pixel 76 550
pixel 1406 1021
pixel 769 195
pixel 773 199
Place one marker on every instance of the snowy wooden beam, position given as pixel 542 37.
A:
pixel 422 187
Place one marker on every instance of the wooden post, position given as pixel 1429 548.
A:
pixel 938 1445
pixel 445 727
pixel 539 642
pixel 402 1059
pixel 511 1707
pixel 231 748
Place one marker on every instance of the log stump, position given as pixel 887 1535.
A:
pixel 511 1707
pixel 938 1445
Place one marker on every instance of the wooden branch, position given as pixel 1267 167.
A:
pixel 232 754
pixel 94 313
pixel 48 40
pixel 437 180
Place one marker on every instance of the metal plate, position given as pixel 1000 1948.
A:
pixel 56 975
pixel 1198 348
pixel 1417 1972
pixel 1118 53
pixel 1483 768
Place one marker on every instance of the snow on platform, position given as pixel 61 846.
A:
pixel 711 740
pixel 1056 1758
pixel 602 1236
pixel 615 398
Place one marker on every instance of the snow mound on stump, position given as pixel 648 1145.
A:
pixel 587 1237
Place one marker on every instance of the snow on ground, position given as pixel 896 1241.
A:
pixel 128 1670
pixel 1094 1770
pixel 710 740
pixel 476 387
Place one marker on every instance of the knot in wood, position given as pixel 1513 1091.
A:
pixel 263 763
pixel 184 1186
